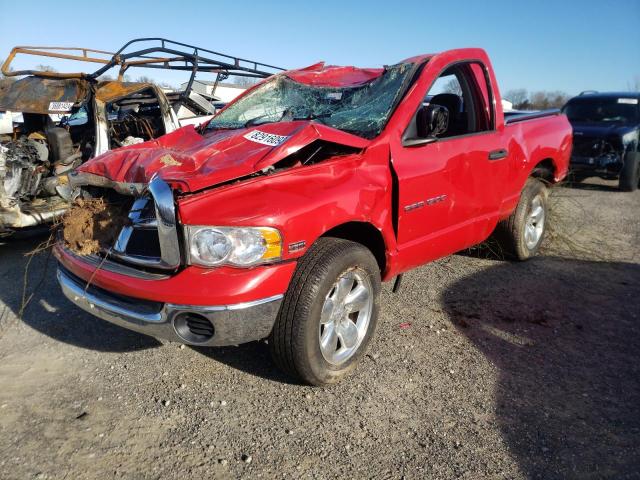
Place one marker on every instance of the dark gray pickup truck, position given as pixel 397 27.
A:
pixel 606 127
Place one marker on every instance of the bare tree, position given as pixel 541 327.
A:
pixel 145 79
pixel 45 68
pixel 519 97
pixel 540 100
pixel 4 80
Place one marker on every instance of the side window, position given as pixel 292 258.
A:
pixel 463 90
pixel 445 84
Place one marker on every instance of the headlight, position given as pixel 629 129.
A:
pixel 629 137
pixel 239 246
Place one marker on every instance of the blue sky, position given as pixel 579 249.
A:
pixel 541 45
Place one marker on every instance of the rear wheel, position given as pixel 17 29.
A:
pixel 630 173
pixel 521 234
pixel 329 314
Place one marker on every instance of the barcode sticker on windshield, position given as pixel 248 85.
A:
pixel 628 101
pixel 265 138
pixel 60 106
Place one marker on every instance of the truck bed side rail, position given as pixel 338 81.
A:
pixel 515 117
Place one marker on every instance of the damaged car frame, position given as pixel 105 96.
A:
pixel 69 118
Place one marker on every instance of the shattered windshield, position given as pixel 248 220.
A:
pixel 623 110
pixel 362 110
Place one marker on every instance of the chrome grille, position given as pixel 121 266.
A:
pixel 590 146
pixel 150 240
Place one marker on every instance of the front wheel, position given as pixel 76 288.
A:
pixel 329 313
pixel 630 173
pixel 521 234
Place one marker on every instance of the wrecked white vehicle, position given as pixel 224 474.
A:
pixel 69 118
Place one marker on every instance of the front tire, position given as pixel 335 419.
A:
pixel 329 313
pixel 630 173
pixel 521 234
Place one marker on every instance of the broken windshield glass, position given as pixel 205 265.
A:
pixel 362 110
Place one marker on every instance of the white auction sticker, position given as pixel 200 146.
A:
pixel 60 106
pixel 265 138
pixel 628 101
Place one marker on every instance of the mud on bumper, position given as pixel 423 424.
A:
pixel 215 325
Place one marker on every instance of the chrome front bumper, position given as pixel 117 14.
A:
pixel 232 324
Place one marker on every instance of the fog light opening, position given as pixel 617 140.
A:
pixel 193 328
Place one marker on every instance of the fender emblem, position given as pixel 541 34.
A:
pixel 296 246
pixel 422 203
pixel 414 206
pixel 438 199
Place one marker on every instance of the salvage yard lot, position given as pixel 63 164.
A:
pixel 481 368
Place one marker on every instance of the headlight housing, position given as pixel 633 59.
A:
pixel 237 246
pixel 629 137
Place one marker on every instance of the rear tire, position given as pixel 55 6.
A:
pixel 630 173
pixel 329 313
pixel 521 234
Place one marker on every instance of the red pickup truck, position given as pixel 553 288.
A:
pixel 281 216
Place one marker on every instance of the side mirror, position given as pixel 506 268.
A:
pixel 431 120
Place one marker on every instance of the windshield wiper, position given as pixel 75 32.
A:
pixel 313 116
pixel 286 117
pixel 255 121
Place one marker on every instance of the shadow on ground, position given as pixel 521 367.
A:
pixel 49 312
pixel 592 184
pixel 252 358
pixel 565 338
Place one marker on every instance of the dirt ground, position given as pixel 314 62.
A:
pixel 506 371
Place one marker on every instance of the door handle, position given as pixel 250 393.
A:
pixel 498 154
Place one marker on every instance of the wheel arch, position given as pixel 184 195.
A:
pixel 364 233
pixel 545 170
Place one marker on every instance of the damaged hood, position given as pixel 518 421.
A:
pixel 602 129
pixel 191 161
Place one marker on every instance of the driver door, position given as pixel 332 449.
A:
pixel 450 190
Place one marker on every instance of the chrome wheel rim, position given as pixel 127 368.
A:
pixel 345 317
pixel 534 225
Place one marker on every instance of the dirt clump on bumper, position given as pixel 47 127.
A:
pixel 91 225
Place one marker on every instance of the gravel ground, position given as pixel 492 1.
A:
pixel 481 369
